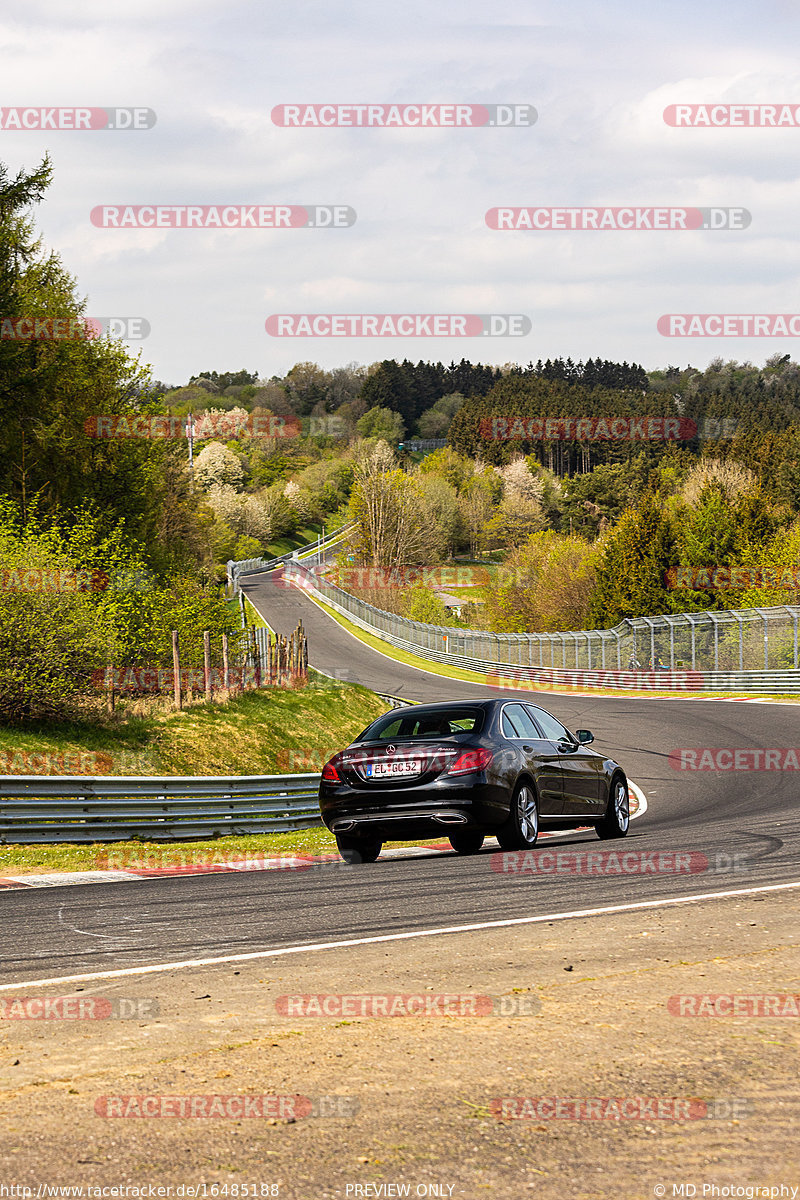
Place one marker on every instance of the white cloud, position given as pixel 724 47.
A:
pixel 599 77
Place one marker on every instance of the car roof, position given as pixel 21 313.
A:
pixel 439 704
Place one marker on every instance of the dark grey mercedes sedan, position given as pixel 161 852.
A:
pixel 469 768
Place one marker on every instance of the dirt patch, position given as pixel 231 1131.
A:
pixel 581 1012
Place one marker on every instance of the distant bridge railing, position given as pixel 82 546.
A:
pixel 251 566
pixel 94 808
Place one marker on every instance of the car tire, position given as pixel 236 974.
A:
pixel 521 830
pixel 467 842
pixel 358 850
pixel 617 819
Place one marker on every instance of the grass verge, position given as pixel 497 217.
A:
pixel 293 541
pixel 263 732
pixel 254 617
pixel 33 859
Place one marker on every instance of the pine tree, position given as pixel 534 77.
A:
pixel 631 572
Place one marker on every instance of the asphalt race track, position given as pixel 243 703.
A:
pixel 745 823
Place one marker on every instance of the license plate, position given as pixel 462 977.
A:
pixel 401 766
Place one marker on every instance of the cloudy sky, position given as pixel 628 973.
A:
pixel 599 77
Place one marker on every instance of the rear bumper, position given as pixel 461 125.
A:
pixel 397 824
pixel 404 813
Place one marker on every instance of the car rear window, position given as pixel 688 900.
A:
pixel 442 722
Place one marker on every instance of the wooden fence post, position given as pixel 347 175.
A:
pixel 226 673
pixel 256 659
pixel 207 663
pixel 176 669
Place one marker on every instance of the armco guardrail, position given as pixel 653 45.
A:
pixel 705 651
pixel 108 808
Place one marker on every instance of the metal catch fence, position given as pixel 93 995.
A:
pixel 745 649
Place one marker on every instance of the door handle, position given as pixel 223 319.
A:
pixel 529 748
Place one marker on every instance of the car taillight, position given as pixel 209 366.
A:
pixel 469 761
pixel 329 772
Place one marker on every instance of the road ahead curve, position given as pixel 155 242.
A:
pixel 713 816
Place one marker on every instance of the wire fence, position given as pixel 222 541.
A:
pixel 696 649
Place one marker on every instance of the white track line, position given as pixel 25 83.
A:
pixel 311 947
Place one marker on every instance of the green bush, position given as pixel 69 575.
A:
pixel 73 602
pixel 50 640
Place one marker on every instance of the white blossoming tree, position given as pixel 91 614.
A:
pixel 519 483
pixel 217 464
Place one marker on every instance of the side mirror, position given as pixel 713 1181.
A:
pixel 584 736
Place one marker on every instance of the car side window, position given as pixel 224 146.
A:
pixel 517 723
pixel 509 728
pixel 551 729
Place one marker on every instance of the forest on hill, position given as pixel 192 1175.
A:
pixel 601 489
